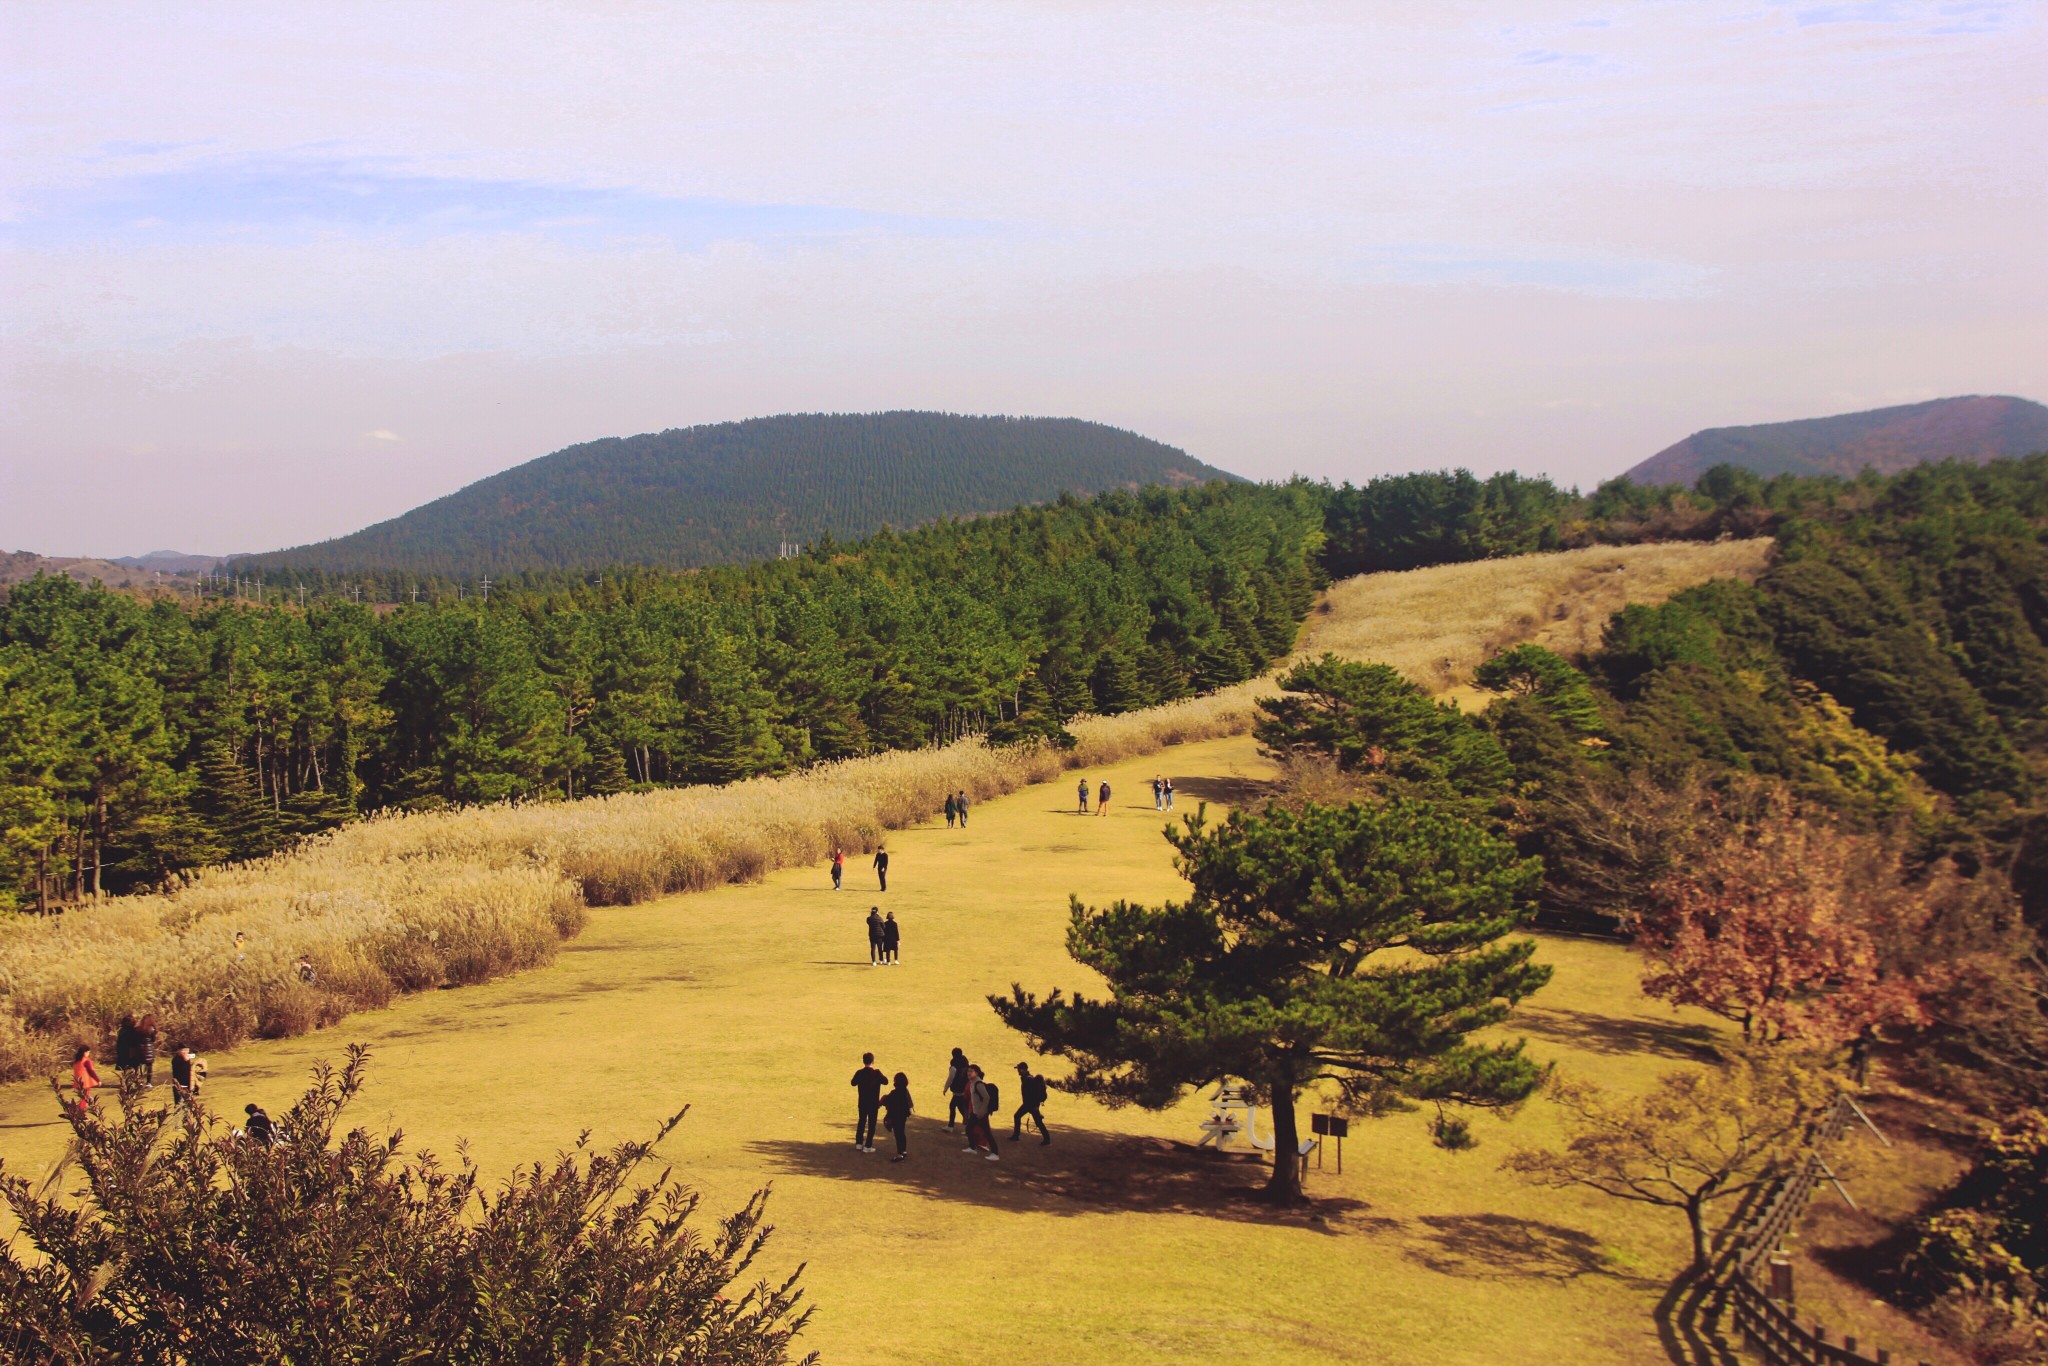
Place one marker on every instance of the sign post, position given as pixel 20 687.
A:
pixel 1330 1126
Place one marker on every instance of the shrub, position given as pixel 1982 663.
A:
pixel 196 1245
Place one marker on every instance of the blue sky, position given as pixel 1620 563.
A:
pixel 270 275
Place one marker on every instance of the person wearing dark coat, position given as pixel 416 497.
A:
pixel 867 1089
pixel 956 1086
pixel 148 1031
pixel 892 938
pixel 951 811
pixel 258 1126
pixel 882 867
pixel 128 1047
pixel 874 936
pixel 896 1107
pixel 1031 1092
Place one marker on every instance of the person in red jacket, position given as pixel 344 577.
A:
pixel 85 1078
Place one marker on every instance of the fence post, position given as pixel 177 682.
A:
pixel 1781 1279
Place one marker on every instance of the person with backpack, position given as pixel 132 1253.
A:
pixel 882 866
pixel 838 868
pixel 867 1090
pixel 874 936
pixel 951 811
pixel 896 1108
pixel 892 939
pixel 1082 792
pixel 1031 1098
pixel 982 1100
pixel 956 1088
pixel 1102 801
pixel 960 805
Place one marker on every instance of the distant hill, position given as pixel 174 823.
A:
pixel 737 490
pixel 1888 440
pixel 171 562
pixel 140 571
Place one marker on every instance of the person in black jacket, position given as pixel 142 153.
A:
pixel 951 811
pixel 874 936
pixel 867 1089
pixel 128 1047
pixel 882 867
pixel 258 1126
pixel 896 1107
pixel 956 1087
pixel 892 938
pixel 1031 1092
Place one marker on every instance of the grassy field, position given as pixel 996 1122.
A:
pixel 753 1003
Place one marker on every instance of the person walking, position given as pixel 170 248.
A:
pixel 874 936
pixel 1158 794
pixel 882 867
pixel 1102 801
pixel 896 1108
pixel 148 1031
pixel 1082 792
pixel 128 1048
pixel 979 1103
pixel 951 810
pixel 1168 782
pixel 1031 1101
pixel 960 805
pixel 838 868
pixel 956 1088
pixel 867 1089
pixel 188 1073
pixel 892 938
pixel 85 1078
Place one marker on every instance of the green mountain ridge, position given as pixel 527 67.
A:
pixel 737 491
pixel 1976 428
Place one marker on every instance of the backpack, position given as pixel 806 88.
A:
pixel 995 1097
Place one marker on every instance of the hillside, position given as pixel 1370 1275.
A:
pixel 1884 439
pixel 737 490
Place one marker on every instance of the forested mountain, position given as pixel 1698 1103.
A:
pixel 1887 440
pixel 737 491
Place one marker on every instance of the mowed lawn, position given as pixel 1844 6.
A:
pixel 752 1005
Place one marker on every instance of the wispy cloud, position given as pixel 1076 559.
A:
pixel 288 199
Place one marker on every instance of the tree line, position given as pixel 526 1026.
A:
pixel 143 737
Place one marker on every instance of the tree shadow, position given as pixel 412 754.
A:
pixel 1083 1171
pixel 1226 791
pixel 1689 1322
pixel 1617 1035
pixel 1502 1247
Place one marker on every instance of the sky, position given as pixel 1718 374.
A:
pixel 271 273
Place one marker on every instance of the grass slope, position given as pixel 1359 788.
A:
pixel 752 1003
pixel 736 490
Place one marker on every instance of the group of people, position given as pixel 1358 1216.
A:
pixel 885 938
pixel 135 1047
pixel 839 868
pixel 971 1098
pixel 1162 793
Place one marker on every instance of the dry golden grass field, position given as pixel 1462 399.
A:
pixel 752 1003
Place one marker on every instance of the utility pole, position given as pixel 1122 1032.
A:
pixel 487 588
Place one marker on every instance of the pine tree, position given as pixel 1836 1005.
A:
pixel 1359 945
pixel 244 825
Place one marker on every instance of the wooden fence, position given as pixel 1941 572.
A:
pixel 1757 1282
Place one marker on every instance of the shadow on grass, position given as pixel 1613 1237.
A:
pixel 1233 792
pixel 1607 1034
pixel 1502 1247
pixel 1083 1171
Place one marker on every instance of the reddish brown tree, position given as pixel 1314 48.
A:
pixel 1773 920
